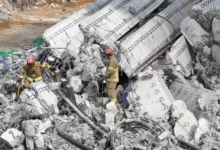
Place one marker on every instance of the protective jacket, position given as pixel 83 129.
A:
pixel 111 77
pixel 33 74
pixel 112 70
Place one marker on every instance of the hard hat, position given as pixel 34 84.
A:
pixel 109 52
pixel 31 61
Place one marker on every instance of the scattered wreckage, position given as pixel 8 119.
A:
pixel 168 92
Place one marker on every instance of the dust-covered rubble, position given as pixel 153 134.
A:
pixel 171 104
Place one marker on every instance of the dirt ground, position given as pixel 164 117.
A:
pixel 23 27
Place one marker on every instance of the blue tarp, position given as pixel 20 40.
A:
pixel 4 62
pixel 123 101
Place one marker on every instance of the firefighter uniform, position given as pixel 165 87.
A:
pixel 112 78
pixel 33 73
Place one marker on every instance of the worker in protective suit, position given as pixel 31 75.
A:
pixel 111 75
pixel 111 78
pixel 32 71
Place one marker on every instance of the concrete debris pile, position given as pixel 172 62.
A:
pixel 173 103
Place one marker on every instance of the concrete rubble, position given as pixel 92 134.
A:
pixel 168 94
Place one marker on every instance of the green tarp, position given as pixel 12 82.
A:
pixel 7 53
pixel 38 41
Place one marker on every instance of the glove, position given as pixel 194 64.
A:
pixel 53 68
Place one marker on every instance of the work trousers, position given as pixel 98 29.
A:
pixel 111 86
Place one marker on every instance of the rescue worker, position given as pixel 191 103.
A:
pixel 32 70
pixel 111 75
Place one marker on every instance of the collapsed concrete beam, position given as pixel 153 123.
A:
pixel 154 35
pixel 55 34
pixel 107 23
pixel 114 25
pixel 61 34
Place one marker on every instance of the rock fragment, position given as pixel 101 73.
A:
pixel 216 30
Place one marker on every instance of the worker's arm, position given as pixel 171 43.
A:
pixel 46 65
pixel 110 70
pixel 22 73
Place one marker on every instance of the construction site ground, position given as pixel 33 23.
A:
pixel 26 25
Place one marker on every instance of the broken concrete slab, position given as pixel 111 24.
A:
pixel 180 55
pixel 178 108
pixel 151 97
pixel 195 99
pixel 202 129
pixel 194 33
pixel 46 96
pixel 76 83
pixel 13 136
pixel 185 126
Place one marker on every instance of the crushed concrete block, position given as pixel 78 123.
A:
pixel 207 51
pixel 39 141
pixel 13 136
pixel 111 111
pixel 216 30
pixel 29 127
pixel 185 127
pixel 92 91
pixel 191 96
pixel 194 33
pixel 29 143
pixel 31 104
pixel 89 70
pixel 178 108
pixel 202 129
pixel 76 83
pixel 179 55
pixel 41 125
pixel 216 54
pixel 78 99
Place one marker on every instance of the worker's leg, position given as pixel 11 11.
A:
pixel 111 91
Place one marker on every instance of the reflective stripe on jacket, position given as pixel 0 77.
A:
pixel 112 70
pixel 114 77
